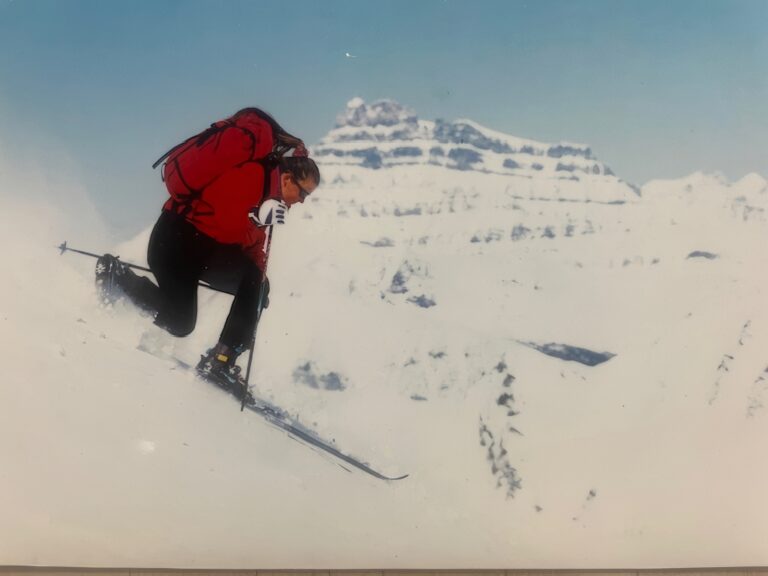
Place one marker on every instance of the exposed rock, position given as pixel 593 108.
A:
pixel 498 457
pixel 571 353
pixel 701 254
pixel 307 374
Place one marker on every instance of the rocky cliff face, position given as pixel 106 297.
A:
pixel 385 134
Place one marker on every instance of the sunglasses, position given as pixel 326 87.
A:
pixel 302 192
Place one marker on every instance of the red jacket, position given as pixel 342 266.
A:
pixel 216 181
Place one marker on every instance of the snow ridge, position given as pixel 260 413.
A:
pixel 386 134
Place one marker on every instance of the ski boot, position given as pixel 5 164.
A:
pixel 218 366
pixel 109 270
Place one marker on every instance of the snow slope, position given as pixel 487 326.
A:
pixel 410 308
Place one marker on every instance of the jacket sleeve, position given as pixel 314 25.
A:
pixel 255 244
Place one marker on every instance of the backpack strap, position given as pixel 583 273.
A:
pixel 200 139
pixel 283 142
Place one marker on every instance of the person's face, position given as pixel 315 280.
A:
pixel 295 191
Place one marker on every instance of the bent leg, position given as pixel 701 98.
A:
pixel 243 314
pixel 140 290
pixel 178 308
pixel 177 254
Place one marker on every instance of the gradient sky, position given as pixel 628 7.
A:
pixel 658 88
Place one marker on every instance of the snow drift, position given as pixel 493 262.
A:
pixel 431 320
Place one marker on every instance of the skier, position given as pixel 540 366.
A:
pixel 229 185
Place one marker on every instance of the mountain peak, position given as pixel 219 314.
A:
pixel 387 135
pixel 752 181
pixel 384 112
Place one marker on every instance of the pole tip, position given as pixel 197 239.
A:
pixel 63 247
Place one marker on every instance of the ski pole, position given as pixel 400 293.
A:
pixel 259 310
pixel 64 248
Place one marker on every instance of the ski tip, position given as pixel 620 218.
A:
pixel 387 478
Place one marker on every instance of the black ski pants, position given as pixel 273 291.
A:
pixel 180 256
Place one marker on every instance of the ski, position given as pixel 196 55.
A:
pixel 279 418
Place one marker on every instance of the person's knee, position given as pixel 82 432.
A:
pixel 178 326
pixel 182 331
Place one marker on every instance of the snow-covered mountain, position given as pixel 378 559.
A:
pixel 385 134
pixel 745 199
pixel 573 372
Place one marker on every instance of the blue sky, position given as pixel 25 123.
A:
pixel 659 89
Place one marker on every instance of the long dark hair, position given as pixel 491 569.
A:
pixel 301 167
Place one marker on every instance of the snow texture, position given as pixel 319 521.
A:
pixel 532 346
